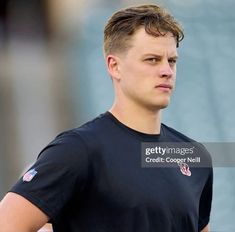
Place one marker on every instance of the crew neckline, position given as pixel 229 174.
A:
pixel 142 135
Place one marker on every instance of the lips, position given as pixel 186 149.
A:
pixel 165 86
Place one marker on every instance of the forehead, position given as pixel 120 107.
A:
pixel 142 42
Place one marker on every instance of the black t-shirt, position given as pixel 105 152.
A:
pixel 90 179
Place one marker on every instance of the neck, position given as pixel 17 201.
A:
pixel 138 118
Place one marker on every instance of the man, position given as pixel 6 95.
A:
pixel 90 178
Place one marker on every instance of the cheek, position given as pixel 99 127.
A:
pixel 130 76
pixel 131 85
pixel 137 77
pixel 136 87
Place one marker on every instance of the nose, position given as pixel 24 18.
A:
pixel 166 70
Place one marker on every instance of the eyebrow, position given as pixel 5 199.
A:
pixel 159 56
pixel 173 57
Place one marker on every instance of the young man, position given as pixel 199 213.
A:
pixel 90 178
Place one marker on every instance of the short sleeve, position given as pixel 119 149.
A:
pixel 205 202
pixel 59 172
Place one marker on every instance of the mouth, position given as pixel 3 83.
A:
pixel 164 87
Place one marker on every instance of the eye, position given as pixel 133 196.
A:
pixel 152 60
pixel 172 61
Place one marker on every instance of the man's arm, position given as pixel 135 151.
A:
pixel 205 229
pixel 18 214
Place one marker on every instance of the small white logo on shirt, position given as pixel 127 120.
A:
pixel 184 168
pixel 28 176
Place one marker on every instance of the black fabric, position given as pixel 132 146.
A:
pixel 90 179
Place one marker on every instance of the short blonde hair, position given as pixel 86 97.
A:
pixel 124 23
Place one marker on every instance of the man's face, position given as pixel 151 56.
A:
pixel 147 71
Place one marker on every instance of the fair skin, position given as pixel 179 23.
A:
pixel 17 212
pixel 46 228
pixel 143 78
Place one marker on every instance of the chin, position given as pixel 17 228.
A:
pixel 165 102
pixel 158 106
pixel 162 104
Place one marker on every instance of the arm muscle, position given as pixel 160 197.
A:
pixel 17 213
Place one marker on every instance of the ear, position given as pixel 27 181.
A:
pixel 113 63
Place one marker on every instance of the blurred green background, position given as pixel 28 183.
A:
pixel 53 77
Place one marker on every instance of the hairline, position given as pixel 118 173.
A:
pixel 123 50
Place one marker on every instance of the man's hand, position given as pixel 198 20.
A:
pixel 18 214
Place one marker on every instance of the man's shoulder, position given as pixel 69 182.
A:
pixel 76 140
pixel 87 133
pixel 93 125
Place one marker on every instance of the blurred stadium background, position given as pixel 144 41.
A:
pixel 52 78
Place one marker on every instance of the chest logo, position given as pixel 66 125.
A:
pixel 28 176
pixel 184 168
